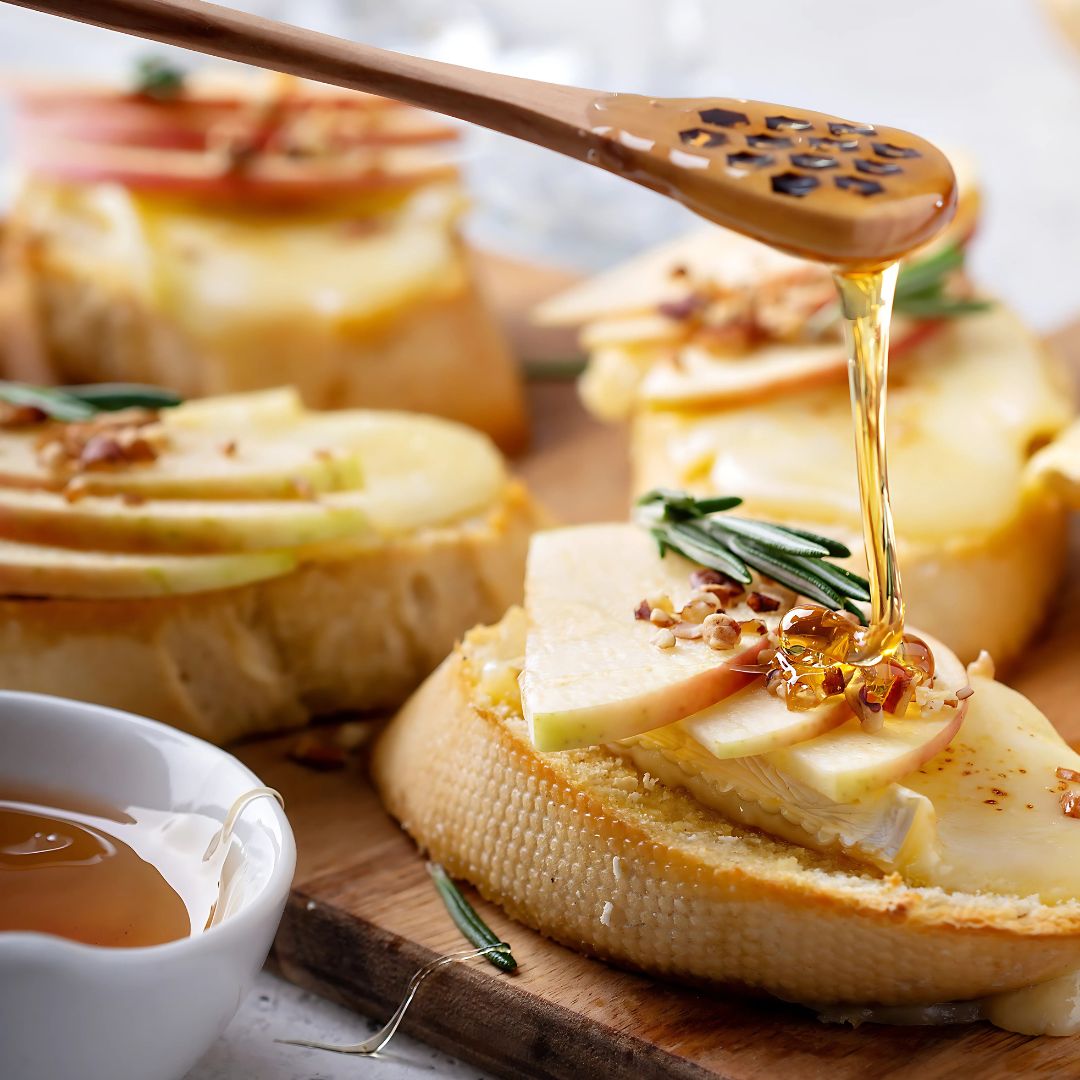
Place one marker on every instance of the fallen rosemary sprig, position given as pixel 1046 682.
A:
pixel 733 545
pixel 474 929
pixel 158 78
pixel 78 403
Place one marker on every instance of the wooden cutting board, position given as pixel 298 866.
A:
pixel 364 917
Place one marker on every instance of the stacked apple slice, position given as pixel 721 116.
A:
pixel 260 139
pixel 238 490
pixel 702 718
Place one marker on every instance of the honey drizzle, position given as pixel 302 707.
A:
pixel 866 299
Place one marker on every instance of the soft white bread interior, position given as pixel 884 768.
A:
pixel 257 565
pixel 582 847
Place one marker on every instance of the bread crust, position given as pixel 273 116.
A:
pixel 580 847
pixel 356 633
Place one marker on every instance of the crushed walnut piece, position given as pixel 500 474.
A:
pixel 724 588
pixel 800 306
pixel 113 440
pixel 21 416
pixel 759 602
pixel 833 681
pixel 720 631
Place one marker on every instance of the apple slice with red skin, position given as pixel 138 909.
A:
pixel 266 177
pixel 593 673
pixel 847 762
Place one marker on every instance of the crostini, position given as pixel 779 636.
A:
pixel 238 564
pixel 220 234
pixel 727 358
pixel 617 774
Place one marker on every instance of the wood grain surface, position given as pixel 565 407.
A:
pixel 363 915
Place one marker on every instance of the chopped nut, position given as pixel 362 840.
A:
pixel 759 602
pixel 723 587
pixel 1068 774
pixel 19 416
pixel 834 681
pixel 964 693
pixel 75 489
pixel 318 752
pixel 754 626
pixel 699 606
pixel 129 437
pixel 663 639
pixel 660 600
pixel 660 617
pixel 643 611
pixel 720 631
pixel 687 631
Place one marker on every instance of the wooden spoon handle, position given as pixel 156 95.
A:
pixel 543 113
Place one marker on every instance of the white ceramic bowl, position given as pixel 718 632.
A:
pixel 79 1012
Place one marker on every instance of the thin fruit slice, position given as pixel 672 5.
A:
pixel 33 570
pixel 754 721
pixel 104 523
pixel 197 464
pixel 227 412
pixel 847 762
pixel 419 471
pixel 592 674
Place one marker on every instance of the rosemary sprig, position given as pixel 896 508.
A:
pixel 921 287
pixel 474 929
pixel 735 545
pixel 158 78
pixel 79 403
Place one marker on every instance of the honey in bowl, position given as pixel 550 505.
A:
pixel 101 875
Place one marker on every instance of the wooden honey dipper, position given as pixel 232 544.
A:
pixel 850 194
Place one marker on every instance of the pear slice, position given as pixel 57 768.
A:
pixel 592 674
pixel 847 762
pixel 198 463
pixel 419 471
pixel 105 523
pixel 227 412
pixel 754 721
pixel 59 573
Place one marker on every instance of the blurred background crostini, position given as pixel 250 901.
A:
pixel 222 232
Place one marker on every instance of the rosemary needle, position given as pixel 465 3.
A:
pixel 699 529
pixel 79 403
pixel 472 927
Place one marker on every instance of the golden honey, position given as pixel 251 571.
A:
pixel 65 871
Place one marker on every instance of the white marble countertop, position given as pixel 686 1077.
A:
pixel 276 1009
pixel 993 78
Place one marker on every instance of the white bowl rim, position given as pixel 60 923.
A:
pixel 26 943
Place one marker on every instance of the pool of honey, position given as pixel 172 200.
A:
pixel 64 871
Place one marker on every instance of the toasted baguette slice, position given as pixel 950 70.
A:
pixel 391 321
pixel 353 633
pixel 581 847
